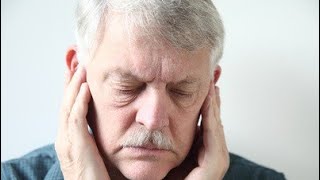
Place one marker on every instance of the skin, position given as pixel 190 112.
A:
pixel 134 84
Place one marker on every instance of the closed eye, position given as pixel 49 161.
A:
pixel 125 95
pixel 183 98
pixel 182 94
pixel 127 90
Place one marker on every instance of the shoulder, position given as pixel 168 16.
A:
pixel 41 163
pixel 243 169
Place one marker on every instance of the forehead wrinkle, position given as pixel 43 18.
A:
pixel 150 63
pixel 127 76
pixel 158 62
pixel 121 74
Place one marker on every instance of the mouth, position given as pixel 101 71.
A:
pixel 145 151
pixel 148 147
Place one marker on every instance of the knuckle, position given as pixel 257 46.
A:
pixel 65 112
pixel 63 152
pixel 74 119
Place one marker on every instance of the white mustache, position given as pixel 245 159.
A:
pixel 143 137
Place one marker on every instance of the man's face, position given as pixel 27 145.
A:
pixel 137 85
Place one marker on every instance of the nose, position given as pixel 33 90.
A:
pixel 153 111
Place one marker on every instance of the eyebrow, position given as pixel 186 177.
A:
pixel 187 81
pixel 121 74
pixel 129 76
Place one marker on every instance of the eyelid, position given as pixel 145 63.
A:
pixel 126 91
pixel 183 93
pixel 183 99
pixel 127 95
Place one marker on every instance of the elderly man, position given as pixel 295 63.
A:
pixel 143 78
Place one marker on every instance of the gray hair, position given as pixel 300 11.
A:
pixel 185 24
pixel 143 137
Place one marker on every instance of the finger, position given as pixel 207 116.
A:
pixel 80 109
pixel 71 93
pixel 67 77
pixel 208 118
pixel 74 132
pixel 219 139
pixel 216 104
pixel 212 129
pixel 207 109
pixel 215 151
pixel 218 100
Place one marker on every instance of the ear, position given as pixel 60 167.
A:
pixel 217 73
pixel 72 61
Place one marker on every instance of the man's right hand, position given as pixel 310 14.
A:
pixel 76 149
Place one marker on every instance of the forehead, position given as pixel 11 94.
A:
pixel 149 58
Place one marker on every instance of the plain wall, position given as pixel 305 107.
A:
pixel 269 85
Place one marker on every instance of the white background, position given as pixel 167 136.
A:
pixel 269 85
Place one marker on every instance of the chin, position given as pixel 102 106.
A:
pixel 144 170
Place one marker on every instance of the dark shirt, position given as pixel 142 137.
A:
pixel 43 164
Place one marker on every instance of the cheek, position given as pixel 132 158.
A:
pixel 184 125
pixel 183 130
pixel 109 123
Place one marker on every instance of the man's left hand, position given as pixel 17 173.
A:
pixel 213 155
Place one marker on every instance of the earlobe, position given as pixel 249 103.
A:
pixel 217 73
pixel 72 61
